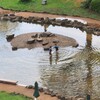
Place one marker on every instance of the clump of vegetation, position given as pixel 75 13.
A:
pixel 25 0
pixel 86 3
pixel 92 5
pixel 95 5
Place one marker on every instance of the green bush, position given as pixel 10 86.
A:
pixel 86 3
pixel 95 5
pixel 25 0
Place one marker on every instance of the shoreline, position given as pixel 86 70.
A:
pixel 28 91
pixel 24 91
pixel 90 21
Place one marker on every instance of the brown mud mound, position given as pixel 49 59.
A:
pixel 44 39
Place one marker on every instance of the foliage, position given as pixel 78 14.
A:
pixel 25 0
pixel 86 3
pixel 95 5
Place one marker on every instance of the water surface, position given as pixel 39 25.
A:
pixel 73 71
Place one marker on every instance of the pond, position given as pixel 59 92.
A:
pixel 74 71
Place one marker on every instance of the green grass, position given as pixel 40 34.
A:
pixel 12 96
pixel 66 7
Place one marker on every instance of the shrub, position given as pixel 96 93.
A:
pixel 86 3
pixel 25 0
pixel 95 5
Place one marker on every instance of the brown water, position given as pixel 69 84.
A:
pixel 73 71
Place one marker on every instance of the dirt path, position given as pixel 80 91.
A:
pixel 24 91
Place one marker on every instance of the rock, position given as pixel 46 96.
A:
pixel 62 98
pixel 63 23
pixel 6 18
pixel 12 18
pixel 55 41
pixel 5 15
pixel 58 21
pixel 19 18
pixel 46 48
pixel 30 41
pixel 35 19
pixel 80 99
pixel 16 19
pixel 45 88
pixel 14 48
pixel 52 94
pixel 76 45
pixel 40 89
pixel 39 39
pixel 11 14
pixel 50 34
pixel 31 17
pixel 30 87
pixel 46 34
pixel 73 98
pixel 96 33
pixel 34 36
pixel 51 90
pixel 58 24
pixel 58 96
pixel 38 22
pixel 45 42
pixel 46 91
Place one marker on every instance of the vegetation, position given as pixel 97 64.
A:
pixel 66 7
pixel 86 3
pixel 25 0
pixel 92 5
pixel 12 96
pixel 95 5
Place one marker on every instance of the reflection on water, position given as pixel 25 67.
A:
pixel 54 57
pixel 71 71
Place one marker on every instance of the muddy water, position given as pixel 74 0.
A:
pixel 73 71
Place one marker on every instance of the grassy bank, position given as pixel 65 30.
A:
pixel 67 7
pixel 12 96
